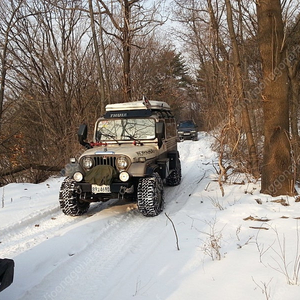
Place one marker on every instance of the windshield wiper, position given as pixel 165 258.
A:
pixel 133 138
pixel 111 137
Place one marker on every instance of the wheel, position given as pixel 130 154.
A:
pixel 69 200
pixel 174 177
pixel 150 195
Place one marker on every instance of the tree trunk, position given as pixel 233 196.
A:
pixel 104 58
pixel 98 59
pixel 294 105
pixel 126 34
pixel 2 84
pixel 277 170
pixel 127 51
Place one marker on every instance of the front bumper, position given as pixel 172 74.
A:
pixel 115 187
pixel 187 135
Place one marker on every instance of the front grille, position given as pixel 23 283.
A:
pixel 105 161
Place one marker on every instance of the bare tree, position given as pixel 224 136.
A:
pixel 53 82
pixel 241 93
pixel 8 11
pixel 199 31
pixel 130 18
pixel 97 55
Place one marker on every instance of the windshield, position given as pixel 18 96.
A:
pixel 187 124
pixel 125 129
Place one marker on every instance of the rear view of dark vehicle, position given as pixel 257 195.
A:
pixel 187 130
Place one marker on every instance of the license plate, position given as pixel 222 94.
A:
pixel 98 189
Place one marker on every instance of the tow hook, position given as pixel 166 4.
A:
pixel 123 190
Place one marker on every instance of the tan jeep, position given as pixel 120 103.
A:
pixel 133 154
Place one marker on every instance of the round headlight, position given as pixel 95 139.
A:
pixel 122 162
pixel 78 176
pixel 87 162
pixel 124 176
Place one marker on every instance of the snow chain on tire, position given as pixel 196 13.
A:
pixel 150 195
pixel 68 200
pixel 174 177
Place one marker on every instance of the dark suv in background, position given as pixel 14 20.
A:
pixel 187 130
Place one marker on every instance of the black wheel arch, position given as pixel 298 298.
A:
pixel 152 169
pixel 174 157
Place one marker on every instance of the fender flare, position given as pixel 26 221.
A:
pixel 151 169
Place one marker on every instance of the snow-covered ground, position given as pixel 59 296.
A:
pixel 240 246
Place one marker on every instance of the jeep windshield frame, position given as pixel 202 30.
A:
pixel 125 129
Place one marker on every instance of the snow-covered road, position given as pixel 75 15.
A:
pixel 113 252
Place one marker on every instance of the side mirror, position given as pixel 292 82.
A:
pixel 82 136
pixel 160 132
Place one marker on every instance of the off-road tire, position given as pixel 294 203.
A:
pixel 68 199
pixel 150 195
pixel 174 177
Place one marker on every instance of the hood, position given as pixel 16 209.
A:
pixel 132 151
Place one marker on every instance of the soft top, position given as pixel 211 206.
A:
pixel 138 105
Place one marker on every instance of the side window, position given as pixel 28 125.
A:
pixel 170 128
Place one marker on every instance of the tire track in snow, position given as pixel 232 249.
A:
pixel 177 197
pixel 97 263
pixel 36 228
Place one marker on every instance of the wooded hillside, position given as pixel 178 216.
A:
pixel 232 66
